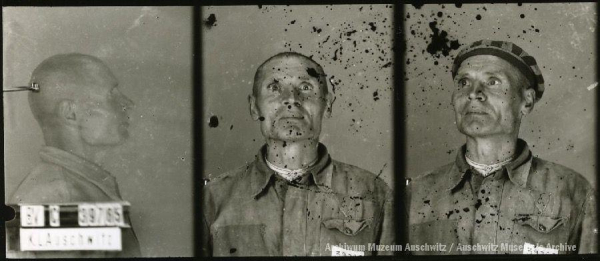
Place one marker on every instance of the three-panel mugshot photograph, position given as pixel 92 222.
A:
pixel 391 130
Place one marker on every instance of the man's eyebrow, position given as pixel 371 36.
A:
pixel 273 80
pixel 302 78
pixel 495 72
pixel 467 73
pixel 461 74
pixel 306 77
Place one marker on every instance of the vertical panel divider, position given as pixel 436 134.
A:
pixel 198 119
pixel 399 48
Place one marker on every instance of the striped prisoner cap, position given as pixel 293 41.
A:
pixel 509 52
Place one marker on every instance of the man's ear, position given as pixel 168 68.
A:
pixel 329 104
pixel 529 101
pixel 67 111
pixel 253 108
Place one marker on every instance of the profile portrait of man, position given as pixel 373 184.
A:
pixel 83 115
pixel 497 197
pixel 294 199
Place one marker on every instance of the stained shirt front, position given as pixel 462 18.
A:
pixel 528 206
pixel 251 211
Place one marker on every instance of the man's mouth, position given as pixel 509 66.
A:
pixel 475 112
pixel 292 118
pixel 291 115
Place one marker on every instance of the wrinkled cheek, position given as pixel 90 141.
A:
pixel 92 130
pixel 509 122
pixel 455 98
pixel 100 130
pixel 457 105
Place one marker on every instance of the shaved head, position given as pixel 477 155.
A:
pixel 313 68
pixel 65 77
pixel 79 103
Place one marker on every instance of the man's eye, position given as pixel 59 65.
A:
pixel 273 87
pixel 463 82
pixel 493 82
pixel 306 87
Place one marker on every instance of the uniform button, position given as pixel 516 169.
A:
pixel 542 228
pixel 348 231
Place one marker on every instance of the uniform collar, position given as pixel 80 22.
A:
pixel 319 175
pixel 517 170
pixel 85 169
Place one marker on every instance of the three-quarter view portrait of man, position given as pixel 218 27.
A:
pixel 497 197
pixel 83 115
pixel 294 199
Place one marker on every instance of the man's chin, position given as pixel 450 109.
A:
pixel 474 129
pixel 293 134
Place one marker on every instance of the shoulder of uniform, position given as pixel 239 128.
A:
pixel 218 190
pixel 350 169
pixel 564 173
pixel 229 176
pixel 428 183
pixel 45 183
pixel 359 175
pixel 434 174
pixel 47 172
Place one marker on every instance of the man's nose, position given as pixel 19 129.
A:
pixel 291 97
pixel 476 91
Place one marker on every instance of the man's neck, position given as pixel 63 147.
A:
pixel 491 150
pixel 292 154
pixel 73 144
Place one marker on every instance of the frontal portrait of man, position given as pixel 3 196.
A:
pixel 512 134
pixel 293 177
pixel 500 193
pixel 295 197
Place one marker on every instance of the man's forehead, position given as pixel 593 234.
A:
pixel 486 64
pixel 290 64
